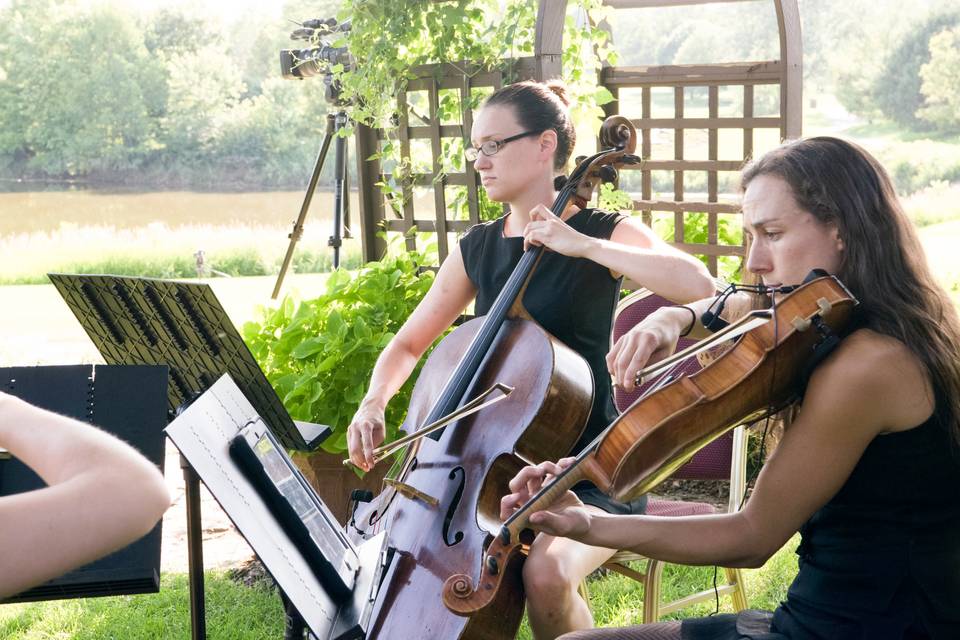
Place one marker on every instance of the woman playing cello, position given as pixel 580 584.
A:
pixel 868 469
pixel 522 138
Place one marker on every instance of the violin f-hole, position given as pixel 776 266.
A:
pixel 452 509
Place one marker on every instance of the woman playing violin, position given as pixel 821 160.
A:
pixel 521 140
pixel 868 470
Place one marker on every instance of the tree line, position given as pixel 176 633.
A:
pixel 97 92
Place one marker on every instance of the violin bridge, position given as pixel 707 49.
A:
pixel 410 492
pixel 800 324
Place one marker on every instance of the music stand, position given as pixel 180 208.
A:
pixel 181 325
pixel 203 433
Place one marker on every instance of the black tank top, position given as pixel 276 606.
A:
pixel 881 560
pixel 572 298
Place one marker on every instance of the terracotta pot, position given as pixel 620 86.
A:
pixel 333 482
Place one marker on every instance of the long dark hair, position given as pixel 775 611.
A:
pixel 883 262
pixel 541 106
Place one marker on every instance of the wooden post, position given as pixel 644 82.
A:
pixel 548 45
pixel 791 57
pixel 371 200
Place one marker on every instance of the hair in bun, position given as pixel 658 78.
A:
pixel 559 88
pixel 541 106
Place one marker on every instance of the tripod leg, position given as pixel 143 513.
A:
pixel 307 198
pixel 340 195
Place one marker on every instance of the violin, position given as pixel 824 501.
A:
pixel 763 372
pixel 439 505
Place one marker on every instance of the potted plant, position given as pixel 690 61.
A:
pixel 318 354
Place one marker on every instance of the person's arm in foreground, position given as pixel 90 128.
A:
pixel 102 495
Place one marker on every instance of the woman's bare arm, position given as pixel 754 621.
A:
pixel 451 292
pixel 101 496
pixel 871 385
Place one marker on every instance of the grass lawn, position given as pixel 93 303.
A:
pixel 236 612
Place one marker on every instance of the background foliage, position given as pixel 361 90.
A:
pixel 318 355
pixel 95 90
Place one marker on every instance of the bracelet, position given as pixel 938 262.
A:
pixel 693 320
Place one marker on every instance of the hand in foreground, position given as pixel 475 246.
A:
pixel 566 517
pixel 550 231
pixel 650 341
pixel 365 433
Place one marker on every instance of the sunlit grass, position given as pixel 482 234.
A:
pixel 234 612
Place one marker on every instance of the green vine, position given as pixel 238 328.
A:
pixel 389 39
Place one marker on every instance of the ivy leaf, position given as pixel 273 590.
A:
pixel 328 363
pixel 602 96
pixel 307 348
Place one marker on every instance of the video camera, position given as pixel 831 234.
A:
pixel 316 60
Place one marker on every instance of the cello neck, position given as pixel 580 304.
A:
pixel 454 392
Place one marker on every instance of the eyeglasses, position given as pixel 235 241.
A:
pixel 492 147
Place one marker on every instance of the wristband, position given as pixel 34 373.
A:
pixel 693 321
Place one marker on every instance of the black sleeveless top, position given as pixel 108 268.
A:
pixel 882 558
pixel 572 298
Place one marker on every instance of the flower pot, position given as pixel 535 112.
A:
pixel 333 481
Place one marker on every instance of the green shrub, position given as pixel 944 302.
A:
pixel 318 355
pixel 914 166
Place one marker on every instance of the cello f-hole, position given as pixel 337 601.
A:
pixel 452 509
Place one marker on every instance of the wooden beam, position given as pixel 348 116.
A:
pixel 761 72
pixel 703 123
pixel 649 4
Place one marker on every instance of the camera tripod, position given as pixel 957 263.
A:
pixel 341 201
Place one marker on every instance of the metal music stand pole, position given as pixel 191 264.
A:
pixel 198 623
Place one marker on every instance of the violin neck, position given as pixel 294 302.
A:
pixel 548 494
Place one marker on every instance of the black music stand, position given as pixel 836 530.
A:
pixel 129 402
pixel 181 325
pixel 202 433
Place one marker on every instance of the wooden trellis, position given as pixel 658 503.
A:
pixel 635 89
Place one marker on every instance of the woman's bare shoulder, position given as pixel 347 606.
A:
pixel 881 373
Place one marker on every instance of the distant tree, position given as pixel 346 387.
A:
pixel 896 90
pixel 204 86
pixel 73 94
pixel 941 81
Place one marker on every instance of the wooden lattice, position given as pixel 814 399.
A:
pixel 665 184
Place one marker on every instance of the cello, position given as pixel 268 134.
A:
pixel 440 506
pixel 763 372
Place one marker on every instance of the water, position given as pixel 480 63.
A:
pixel 48 211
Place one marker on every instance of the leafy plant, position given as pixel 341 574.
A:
pixel 696 230
pixel 318 354
pixel 388 40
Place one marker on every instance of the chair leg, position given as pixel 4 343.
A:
pixel 651 591
pixel 738 597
